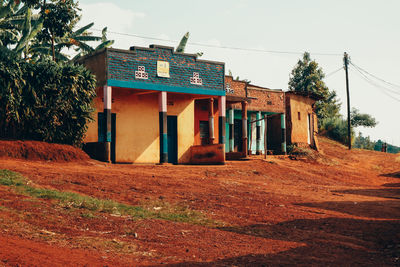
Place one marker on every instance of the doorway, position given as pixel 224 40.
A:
pixel 237 137
pixel 172 133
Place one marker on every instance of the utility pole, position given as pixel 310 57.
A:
pixel 346 63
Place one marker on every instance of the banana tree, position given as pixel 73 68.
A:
pixel 182 45
pixel 18 26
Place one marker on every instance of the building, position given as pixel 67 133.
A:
pixel 155 105
pixel 301 123
pixel 251 110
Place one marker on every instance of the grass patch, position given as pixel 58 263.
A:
pixel 147 210
pixel 88 215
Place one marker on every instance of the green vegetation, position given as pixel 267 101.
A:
pixel 366 143
pixel 36 29
pixel 39 98
pixel 69 200
pixel 308 77
pixel 45 100
pixel 182 45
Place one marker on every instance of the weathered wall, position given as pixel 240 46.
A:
pixel 234 88
pixel 182 105
pixel 122 65
pixel 266 100
pixel 97 65
pixel 137 128
pixel 297 128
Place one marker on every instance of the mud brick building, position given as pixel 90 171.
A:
pixel 301 123
pixel 251 109
pixel 155 105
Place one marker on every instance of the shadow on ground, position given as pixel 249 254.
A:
pixel 330 241
pixel 393 175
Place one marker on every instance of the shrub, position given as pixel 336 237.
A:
pixel 44 100
pixel 336 128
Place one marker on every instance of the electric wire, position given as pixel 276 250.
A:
pixel 333 72
pixel 380 79
pixel 363 76
pixel 221 47
pixel 375 84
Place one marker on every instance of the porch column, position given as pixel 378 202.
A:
pixel 211 121
pixel 231 130
pixel 107 98
pixel 222 118
pixel 244 128
pixel 283 127
pixel 162 108
pixel 258 133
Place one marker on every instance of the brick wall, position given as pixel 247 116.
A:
pixel 235 88
pixel 267 100
pixel 123 64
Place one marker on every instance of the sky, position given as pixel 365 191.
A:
pixel 368 30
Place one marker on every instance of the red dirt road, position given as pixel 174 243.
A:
pixel 339 210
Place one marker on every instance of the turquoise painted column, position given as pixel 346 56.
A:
pixel 244 129
pixel 107 98
pixel 258 133
pixel 231 130
pixel 283 127
pixel 221 118
pixel 162 106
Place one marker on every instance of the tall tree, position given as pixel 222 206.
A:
pixel 308 77
pixel 59 18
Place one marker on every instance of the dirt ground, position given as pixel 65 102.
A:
pixel 340 208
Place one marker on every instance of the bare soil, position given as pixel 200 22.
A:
pixel 339 208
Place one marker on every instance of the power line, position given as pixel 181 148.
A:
pixel 333 72
pixel 375 85
pixel 220 47
pixel 382 80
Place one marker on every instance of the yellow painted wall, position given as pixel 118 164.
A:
pixel 299 128
pixel 137 129
pixel 183 106
pixel 137 124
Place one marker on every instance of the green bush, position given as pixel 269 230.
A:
pixel 44 100
pixel 335 128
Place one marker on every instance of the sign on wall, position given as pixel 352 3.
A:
pixel 196 79
pixel 141 73
pixel 163 69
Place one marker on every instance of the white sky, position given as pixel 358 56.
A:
pixel 367 29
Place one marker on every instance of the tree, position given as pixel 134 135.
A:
pixel 361 119
pixel 308 77
pixel 59 18
pixel 18 26
pixel 182 45
pixel 363 142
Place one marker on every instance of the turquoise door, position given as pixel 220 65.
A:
pixel 172 129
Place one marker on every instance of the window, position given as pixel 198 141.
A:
pixel 204 130
pixel 298 115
